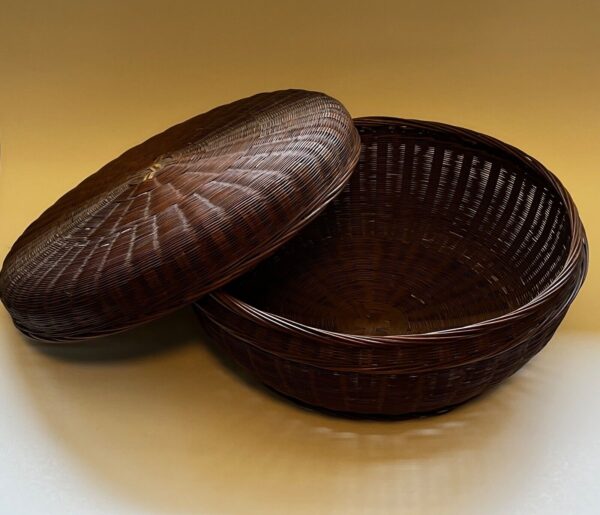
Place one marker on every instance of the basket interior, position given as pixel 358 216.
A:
pixel 433 231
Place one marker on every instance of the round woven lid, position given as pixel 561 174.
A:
pixel 178 215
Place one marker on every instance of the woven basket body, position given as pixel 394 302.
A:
pixel 447 262
pixel 178 215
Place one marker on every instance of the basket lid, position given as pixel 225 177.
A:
pixel 179 215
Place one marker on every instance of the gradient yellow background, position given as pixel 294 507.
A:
pixel 179 432
pixel 82 81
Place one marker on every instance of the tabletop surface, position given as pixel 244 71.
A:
pixel 154 421
pixel 177 430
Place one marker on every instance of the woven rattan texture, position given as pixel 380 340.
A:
pixel 446 263
pixel 179 215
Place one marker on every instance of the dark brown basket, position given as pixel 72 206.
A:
pixel 448 261
pixel 179 215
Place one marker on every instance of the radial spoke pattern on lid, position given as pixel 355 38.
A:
pixel 178 215
pixel 445 264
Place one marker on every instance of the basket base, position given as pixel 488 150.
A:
pixel 368 416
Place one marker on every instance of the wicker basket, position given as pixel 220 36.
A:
pixel 448 261
pixel 179 215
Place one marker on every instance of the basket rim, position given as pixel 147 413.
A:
pixel 577 257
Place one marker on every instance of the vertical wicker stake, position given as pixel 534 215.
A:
pixel 447 262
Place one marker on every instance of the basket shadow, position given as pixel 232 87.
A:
pixel 158 336
pixel 175 431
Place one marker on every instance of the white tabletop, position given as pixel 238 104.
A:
pixel 178 431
